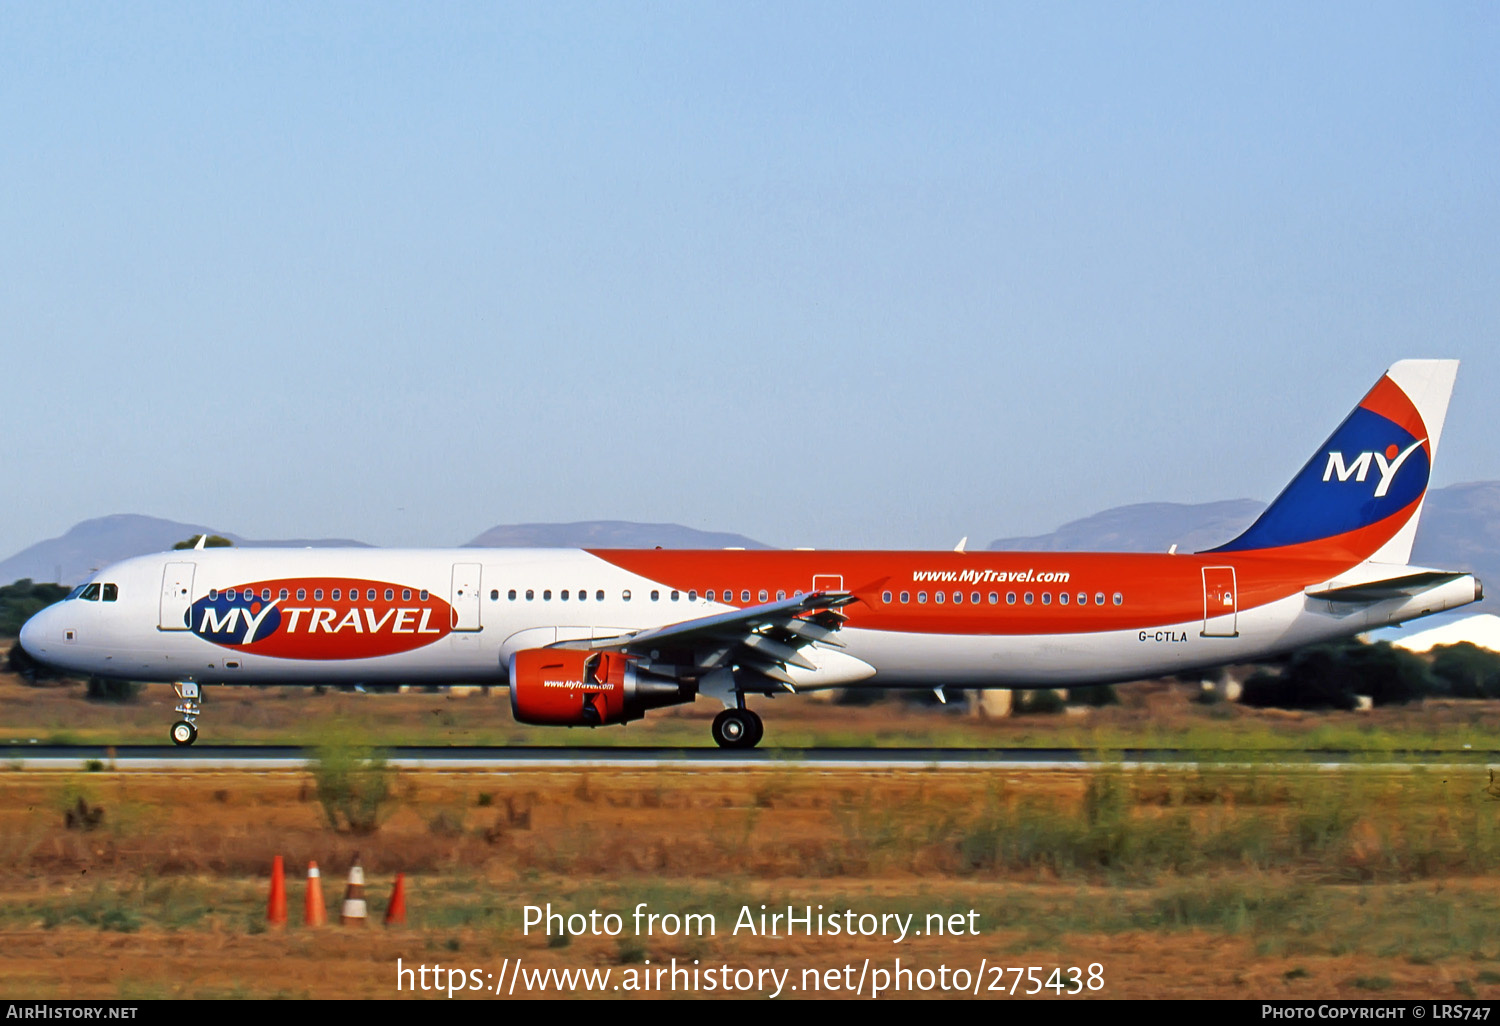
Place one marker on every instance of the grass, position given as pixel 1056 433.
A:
pixel 1335 881
pixel 1152 715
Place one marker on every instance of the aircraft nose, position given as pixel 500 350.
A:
pixel 32 638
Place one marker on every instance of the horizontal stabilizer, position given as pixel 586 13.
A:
pixel 1391 587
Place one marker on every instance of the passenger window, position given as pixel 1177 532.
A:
pixel 710 595
pixel 974 598
pixel 780 595
pixel 390 593
pixel 921 598
pixel 370 595
pixel 111 593
pixel 676 595
pixel 317 594
pixel 1118 598
pixel 1099 598
pixel 213 593
pixel 1030 598
pixel 994 597
pixel 530 594
pixel 905 597
pixel 958 598
pixel 511 594
pixel 745 595
pixel 625 594
pixel 655 595
pixel 564 595
pixel 1046 598
pixel 939 597
pixel 230 594
pixel 406 594
pixel 265 595
pixel 284 595
pixel 885 597
pixel 1083 598
pixel 583 594
pixel 692 595
pixel 546 594
pixel 763 594
pixel 494 594
pixel 422 594
pixel 333 594
pixel 301 594
pixel 1062 598
pixel 599 595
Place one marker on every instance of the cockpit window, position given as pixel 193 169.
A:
pixel 75 593
pixel 111 592
pixel 91 593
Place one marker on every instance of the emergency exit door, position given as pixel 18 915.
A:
pixel 1220 603
pixel 176 596
pixel 465 597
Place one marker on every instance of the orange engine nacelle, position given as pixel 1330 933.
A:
pixel 575 688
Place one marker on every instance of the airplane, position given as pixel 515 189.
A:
pixel 589 637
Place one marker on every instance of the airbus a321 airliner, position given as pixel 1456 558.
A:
pixel 592 637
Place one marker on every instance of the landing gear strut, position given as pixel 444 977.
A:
pixel 185 730
pixel 738 728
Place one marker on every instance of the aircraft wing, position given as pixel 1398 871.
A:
pixel 765 639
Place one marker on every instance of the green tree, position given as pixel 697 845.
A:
pixel 1467 671
pixel 23 599
pixel 1330 676
pixel 215 541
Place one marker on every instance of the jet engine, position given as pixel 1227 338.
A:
pixel 575 688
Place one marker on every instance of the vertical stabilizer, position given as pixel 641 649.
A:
pixel 1361 494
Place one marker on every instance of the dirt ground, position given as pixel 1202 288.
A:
pixel 166 895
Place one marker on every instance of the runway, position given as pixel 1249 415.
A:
pixel 23 756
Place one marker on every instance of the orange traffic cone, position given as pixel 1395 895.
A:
pixel 395 912
pixel 276 907
pixel 354 912
pixel 313 912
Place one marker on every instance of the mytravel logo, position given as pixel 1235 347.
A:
pixel 1389 462
pixel 321 618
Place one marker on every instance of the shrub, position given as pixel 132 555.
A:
pixel 354 784
pixel 101 689
pixel 1042 702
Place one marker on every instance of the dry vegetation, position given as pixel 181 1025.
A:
pixel 1231 883
pixel 1153 714
pixel 1226 882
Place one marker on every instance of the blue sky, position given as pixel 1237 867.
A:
pixel 824 274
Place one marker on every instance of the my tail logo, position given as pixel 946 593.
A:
pixel 1389 462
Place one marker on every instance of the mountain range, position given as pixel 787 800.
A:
pixel 1460 530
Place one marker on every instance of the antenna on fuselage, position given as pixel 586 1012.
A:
pixel 201 542
pixel 961 543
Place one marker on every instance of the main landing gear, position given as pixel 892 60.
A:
pixel 738 728
pixel 185 730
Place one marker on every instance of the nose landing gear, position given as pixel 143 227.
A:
pixel 185 730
